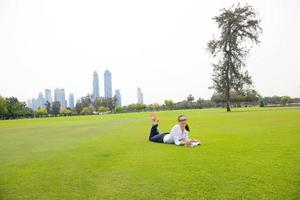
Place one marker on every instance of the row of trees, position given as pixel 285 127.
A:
pixel 107 105
pixel 237 98
pixel 87 105
pixel 277 100
pixel 11 107
pixel 42 112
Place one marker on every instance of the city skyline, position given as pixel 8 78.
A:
pixel 59 95
pixel 166 51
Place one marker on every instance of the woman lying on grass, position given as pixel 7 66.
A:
pixel 179 134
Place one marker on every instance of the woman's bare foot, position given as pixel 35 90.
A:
pixel 154 118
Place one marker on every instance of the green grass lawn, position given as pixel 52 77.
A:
pixel 250 153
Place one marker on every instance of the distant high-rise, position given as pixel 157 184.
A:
pixel 118 98
pixel 95 85
pixel 71 101
pixel 29 104
pixel 59 95
pixel 140 96
pixel 56 94
pixel 39 102
pixel 48 96
pixel 63 97
pixel 107 84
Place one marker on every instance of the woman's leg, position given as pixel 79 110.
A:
pixel 158 138
pixel 153 131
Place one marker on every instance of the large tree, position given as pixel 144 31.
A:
pixel 15 108
pixel 55 108
pixel 239 28
pixel 169 104
pixel 48 107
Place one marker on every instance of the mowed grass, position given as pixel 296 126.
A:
pixel 250 153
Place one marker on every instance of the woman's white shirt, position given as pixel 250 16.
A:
pixel 176 136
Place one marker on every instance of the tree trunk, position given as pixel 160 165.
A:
pixel 227 92
pixel 227 100
pixel 228 53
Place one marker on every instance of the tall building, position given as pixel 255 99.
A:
pixel 39 102
pixel 29 103
pixel 71 101
pixel 48 96
pixel 59 95
pixel 56 94
pixel 140 96
pixel 63 99
pixel 118 98
pixel 95 85
pixel 107 84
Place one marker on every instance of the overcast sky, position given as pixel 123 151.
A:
pixel 158 45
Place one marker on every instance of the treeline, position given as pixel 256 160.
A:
pixel 252 98
pixel 12 108
pixel 280 101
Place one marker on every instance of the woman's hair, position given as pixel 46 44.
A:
pixel 180 116
pixel 186 126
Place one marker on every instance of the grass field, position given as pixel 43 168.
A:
pixel 250 153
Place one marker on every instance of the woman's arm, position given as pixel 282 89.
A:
pixel 185 142
pixel 180 142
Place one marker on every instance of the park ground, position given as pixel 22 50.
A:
pixel 249 153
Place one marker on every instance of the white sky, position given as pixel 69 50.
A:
pixel 158 45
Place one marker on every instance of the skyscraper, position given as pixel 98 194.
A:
pixel 59 95
pixel 63 98
pixel 48 96
pixel 56 94
pixel 140 96
pixel 118 98
pixel 95 85
pixel 107 84
pixel 29 103
pixel 40 101
pixel 71 101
